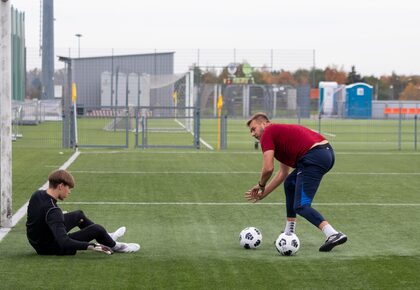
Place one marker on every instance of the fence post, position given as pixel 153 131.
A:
pixel 136 133
pixel 415 132
pixel 127 114
pixel 319 122
pixel 399 128
pixel 197 128
pixel 127 126
pixel 298 114
pixel 225 132
pixel 143 132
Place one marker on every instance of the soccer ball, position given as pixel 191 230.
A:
pixel 287 244
pixel 250 238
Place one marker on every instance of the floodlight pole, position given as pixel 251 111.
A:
pixel 6 115
pixel 78 35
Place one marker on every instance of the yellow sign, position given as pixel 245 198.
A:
pixel 73 92
pixel 175 96
pixel 247 80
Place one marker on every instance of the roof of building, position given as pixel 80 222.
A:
pixel 66 58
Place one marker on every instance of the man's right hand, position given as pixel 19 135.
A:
pixel 255 194
pixel 100 248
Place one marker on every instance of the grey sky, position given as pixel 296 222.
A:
pixel 378 37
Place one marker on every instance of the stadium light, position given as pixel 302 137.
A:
pixel 78 35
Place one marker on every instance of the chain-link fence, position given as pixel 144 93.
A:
pixel 393 126
pixel 112 84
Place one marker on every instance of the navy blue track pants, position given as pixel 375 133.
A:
pixel 301 184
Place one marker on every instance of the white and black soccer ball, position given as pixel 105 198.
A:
pixel 287 244
pixel 250 238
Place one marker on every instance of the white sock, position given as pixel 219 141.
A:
pixel 290 227
pixel 329 230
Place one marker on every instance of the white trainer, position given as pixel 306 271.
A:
pixel 118 233
pixel 126 247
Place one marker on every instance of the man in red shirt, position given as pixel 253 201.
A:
pixel 311 155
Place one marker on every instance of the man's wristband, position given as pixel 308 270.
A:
pixel 260 185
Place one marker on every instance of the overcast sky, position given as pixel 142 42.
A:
pixel 377 36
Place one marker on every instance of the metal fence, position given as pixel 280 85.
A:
pixel 393 126
pixel 39 124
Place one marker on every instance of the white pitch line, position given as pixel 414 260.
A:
pixel 236 203
pixel 231 172
pixel 375 173
pixel 201 140
pixel 325 133
pixel 162 172
pixel 254 152
pixel 206 144
pixel 21 212
pixel 378 153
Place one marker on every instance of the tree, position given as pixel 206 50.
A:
pixel 302 77
pixel 333 74
pixel 197 74
pixel 396 86
pixel 264 77
pixel 223 75
pixel 284 78
pixel 33 84
pixel 374 82
pixel 318 75
pixel 385 88
pixel 410 93
pixel 209 77
pixel 353 76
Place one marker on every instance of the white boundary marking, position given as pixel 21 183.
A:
pixel 236 203
pixel 21 212
pixel 239 152
pixel 231 172
pixel 201 140
pixel 324 133
pixel 329 134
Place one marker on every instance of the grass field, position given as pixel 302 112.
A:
pixel 186 209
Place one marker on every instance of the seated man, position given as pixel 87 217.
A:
pixel 47 227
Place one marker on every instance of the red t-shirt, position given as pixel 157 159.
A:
pixel 289 142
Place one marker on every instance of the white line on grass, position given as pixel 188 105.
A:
pixel 324 133
pixel 258 152
pixel 230 172
pixel 22 211
pixel 201 140
pixel 236 203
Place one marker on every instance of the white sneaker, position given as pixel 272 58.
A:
pixel 126 247
pixel 118 233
